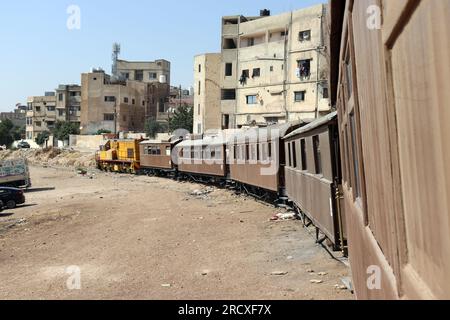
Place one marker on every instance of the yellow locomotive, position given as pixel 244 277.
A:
pixel 119 156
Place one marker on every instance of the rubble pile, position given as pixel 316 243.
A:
pixel 52 157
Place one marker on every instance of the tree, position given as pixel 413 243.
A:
pixel 153 127
pixel 103 131
pixel 63 129
pixel 42 137
pixel 183 119
pixel 6 136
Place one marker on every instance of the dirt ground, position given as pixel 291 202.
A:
pixel 149 238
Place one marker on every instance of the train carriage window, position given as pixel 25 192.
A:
pixel 294 156
pixel 317 155
pixel 303 154
pixel 289 155
pixel 258 156
pixel 349 75
pixel 130 153
pixel 168 151
pixel 192 153
pixel 356 166
pixel 247 152
pixel 270 151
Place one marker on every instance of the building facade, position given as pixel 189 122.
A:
pixel 17 117
pixel 145 71
pixel 41 115
pixel 207 113
pixel 274 69
pixel 68 103
pixel 120 106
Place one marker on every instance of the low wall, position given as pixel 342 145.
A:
pixel 86 142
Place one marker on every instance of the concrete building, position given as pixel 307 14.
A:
pixel 274 69
pixel 120 106
pixel 68 103
pixel 207 112
pixel 41 114
pixel 17 117
pixel 148 72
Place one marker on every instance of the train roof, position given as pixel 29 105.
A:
pixel 280 129
pixel 313 125
pixel 206 141
pixel 171 141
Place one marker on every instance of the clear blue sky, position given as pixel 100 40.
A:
pixel 38 51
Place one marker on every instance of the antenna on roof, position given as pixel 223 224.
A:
pixel 115 57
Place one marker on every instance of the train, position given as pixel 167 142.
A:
pixel 262 162
pixel 373 175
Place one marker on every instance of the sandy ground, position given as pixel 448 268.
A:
pixel 148 238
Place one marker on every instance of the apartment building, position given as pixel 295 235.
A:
pixel 68 103
pixel 41 114
pixel 274 69
pixel 207 113
pixel 145 71
pixel 120 106
pixel 17 117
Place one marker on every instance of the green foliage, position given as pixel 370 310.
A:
pixel 182 119
pixel 7 135
pixel 18 133
pixel 153 127
pixel 103 131
pixel 63 129
pixel 42 137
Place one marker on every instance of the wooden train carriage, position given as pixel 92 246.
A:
pixel 390 75
pixel 257 157
pixel 203 157
pixel 313 176
pixel 156 156
pixel 119 156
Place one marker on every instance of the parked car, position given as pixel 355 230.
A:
pixel 23 145
pixel 11 197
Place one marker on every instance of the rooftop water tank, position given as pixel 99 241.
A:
pixel 163 78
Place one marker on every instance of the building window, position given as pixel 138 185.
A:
pixel 304 36
pixel 199 128
pixel 325 93
pixel 245 75
pixel 250 42
pixel 133 102
pixel 229 43
pixel 304 69
pixel 199 68
pixel 139 75
pixel 38 123
pixel 29 121
pixel 317 154
pixel 60 97
pixel 110 99
pixel 199 111
pixel 51 108
pixel 125 100
pixel 271 68
pixel 199 88
pixel 108 117
pixel 38 109
pixel 152 75
pixel 303 154
pixel 299 96
pixel 228 69
pixel 256 72
pixel 252 99
pixel 284 33
pixel 60 112
pixel 50 124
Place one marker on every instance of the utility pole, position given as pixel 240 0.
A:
pixel 115 116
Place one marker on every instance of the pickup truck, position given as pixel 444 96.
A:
pixel 14 173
